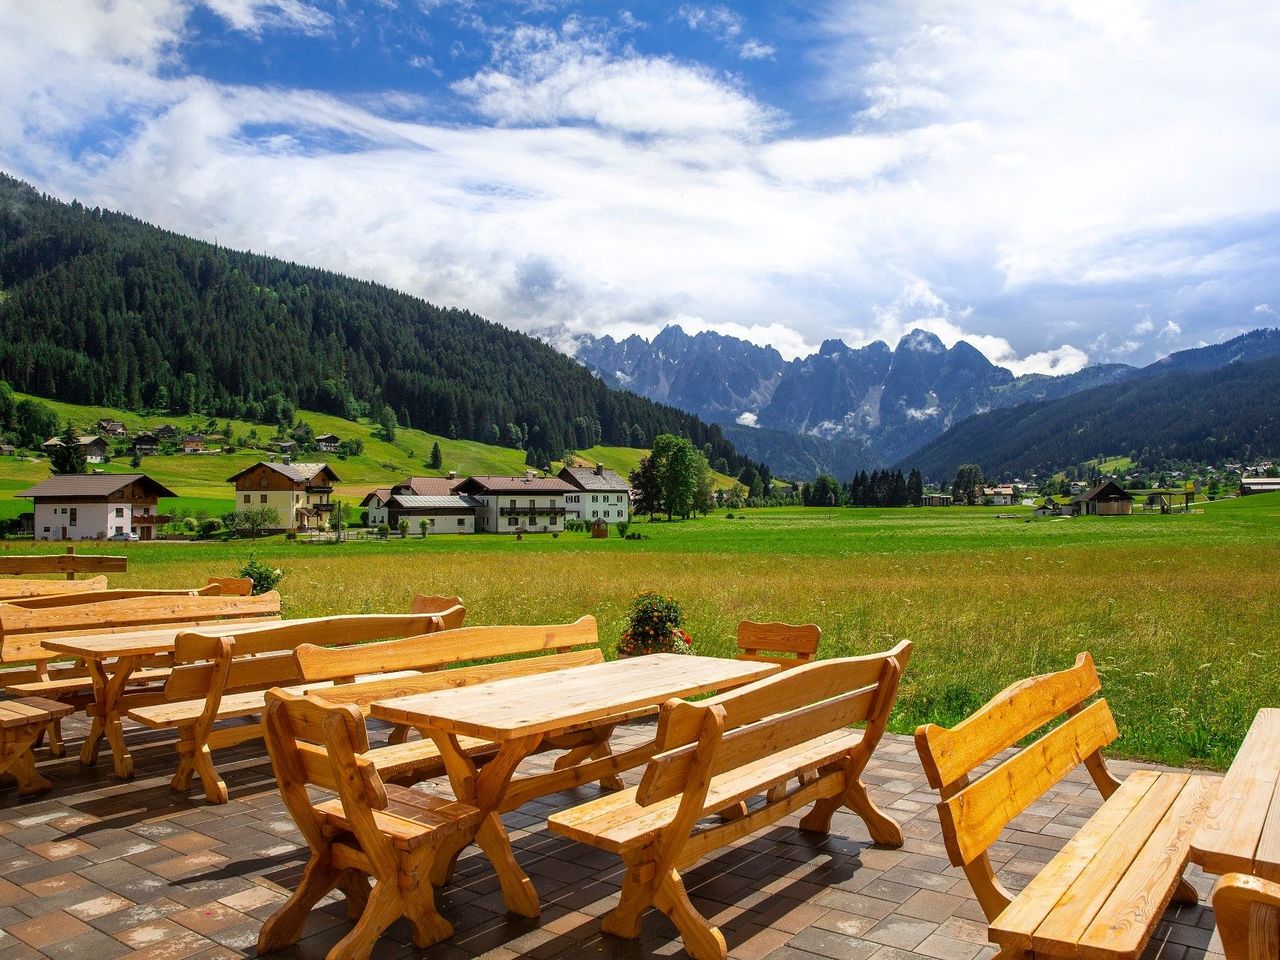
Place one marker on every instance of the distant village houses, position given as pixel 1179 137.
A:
pixel 598 494
pixel 936 500
pixel 192 443
pixel 95 448
pixel 1107 499
pixel 528 504
pixel 110 428
pixel 1251 485
pixel 146 444
pixel 298 492
pixel 73 506
pixel 327 443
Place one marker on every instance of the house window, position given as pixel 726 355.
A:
pixel 248 497
pixel 513 521
pixel 462 522
pixel 594 498
pixel 46 529
pixel 533 504
pixel 262 498
pixel 119 511
pixel 118 529
pixel 431 522
pixel 595 514
pixel 551 521
pixel 73 516
pixel 513 504
pixel 263 482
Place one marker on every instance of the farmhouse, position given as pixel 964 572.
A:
pixel 936 500
pixel 529 504
pixel 74 506
pixel 327 443
pixel 95 448
pixel 146 444
pixel 166 431
pixel 444 514
pixel 598 494
pixel 1249 485
pixel 375 503
pixel 1107 499
pixel 378 502
pixel 7 449
pixel 192 443
pixel 110 428
pixel 298 492
pixel 1004 495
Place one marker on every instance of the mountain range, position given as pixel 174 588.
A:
pixel 847 408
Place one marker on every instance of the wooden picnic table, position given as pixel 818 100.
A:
pixel 523 714
pixel 1241 833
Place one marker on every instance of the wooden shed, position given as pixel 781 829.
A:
pixel 1107 499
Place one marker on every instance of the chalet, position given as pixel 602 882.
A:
pixel 1107 499
pixel 146 444
pixel 1005 495
pixel 110 428
pixel 444 514
pixel 283 446
pixel 166 432
pixel 936 500
pixel 7 450
pixel 1251 485
pixel 598 494
pixel 327 443
pixel 298 492
pixel 95 448
pixel 192 443
pixel 375 504
pixel 529 504
pixel 73 506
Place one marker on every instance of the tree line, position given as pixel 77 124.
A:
pixel 880 488
pixel 103 309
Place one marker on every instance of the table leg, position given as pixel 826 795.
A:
pixel 485 789
pixel 108 692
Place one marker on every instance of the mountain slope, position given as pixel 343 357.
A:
pixel 1229 413
pixel 99 308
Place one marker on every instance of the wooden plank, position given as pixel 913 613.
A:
pixel 801 685
pixel 1093 886
pixel 668 772
pixel 290 634
pixel 1016 924
pixel 16 618
pixel 23 589
pixel 125 643
pixel 523 706
pixel 20 565
pixel 779 637
pixel 443 648
pixel 1125 923
pixel 973 819
pixel 366 692
pixel 1245 806
pixel 1019 709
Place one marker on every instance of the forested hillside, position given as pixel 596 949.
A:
pixel 100 308
pixel 1229 413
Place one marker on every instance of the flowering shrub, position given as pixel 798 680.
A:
pixel 654 625
pixel 264 578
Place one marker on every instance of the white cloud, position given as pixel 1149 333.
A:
pixel 1263 308
pixel 757 50
pixel 748 419
pixel 252 16
pixel 1144 326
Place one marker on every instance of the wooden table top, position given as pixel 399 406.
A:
pixel 1241 832
pixel 21 713
pixel 556 702
pixel 107 646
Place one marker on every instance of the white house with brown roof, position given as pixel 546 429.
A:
pixel 598 494
pixel 529 504
pixel 327 442
pixel 375 504
pixel 298 492
pixel 74 506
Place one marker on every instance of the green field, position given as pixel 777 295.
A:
pixel 1179 611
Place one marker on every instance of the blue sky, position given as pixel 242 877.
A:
pixel 1059 182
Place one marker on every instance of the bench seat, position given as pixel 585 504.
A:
pixel 420 759
pixel 1102 894
pixel 410 818
pixel 57 686
pixel 21 723
pixel 616 822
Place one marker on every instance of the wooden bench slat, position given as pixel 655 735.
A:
pixel 1228 838
pixel 1125 923
pixel 410 818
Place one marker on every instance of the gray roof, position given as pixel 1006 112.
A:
pixel 585 478
pixel 515 485
pixel 93 485
pixel 297 472
pixel 410 502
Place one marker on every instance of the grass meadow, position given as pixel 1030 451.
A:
pixel 1180 612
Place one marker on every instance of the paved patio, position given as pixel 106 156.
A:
pixel 98 869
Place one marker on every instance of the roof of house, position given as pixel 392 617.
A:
pixel 585 478
pixel 382 493
pixel 430 486
pixel 297 472
pixel 326 436
pixel 84 441
pixel 1107 489
pixel 524 484
pixel 93 485
pixel 410 502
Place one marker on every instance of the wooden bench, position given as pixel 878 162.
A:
pixel 1102 895
pixel 785 644
pixel 25 625
pixel 370 830
pixel 739 745
pixel 19 588
pixel 1247 912
pixel 22 722
pixel 69 563
pixel 224 675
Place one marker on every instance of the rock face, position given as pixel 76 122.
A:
pixel 886 402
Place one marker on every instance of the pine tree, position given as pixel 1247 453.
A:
pixel 437 459
pixel 68 457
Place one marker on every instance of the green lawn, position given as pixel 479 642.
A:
pixel 1179 611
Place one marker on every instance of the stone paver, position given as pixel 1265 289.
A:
pixel 102 869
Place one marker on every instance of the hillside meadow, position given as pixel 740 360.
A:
pixel 1179 611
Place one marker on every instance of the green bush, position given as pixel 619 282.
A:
pixel 264 578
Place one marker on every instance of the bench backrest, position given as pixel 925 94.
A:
pixel 785 644
pixel 69 563
pixel 444 648
pixel 699 741
pixel 974 814
pixel 450 610
pixel 17 588
pixel 257 657
pixel 47 601
pixel 24 624
pixel 311 742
